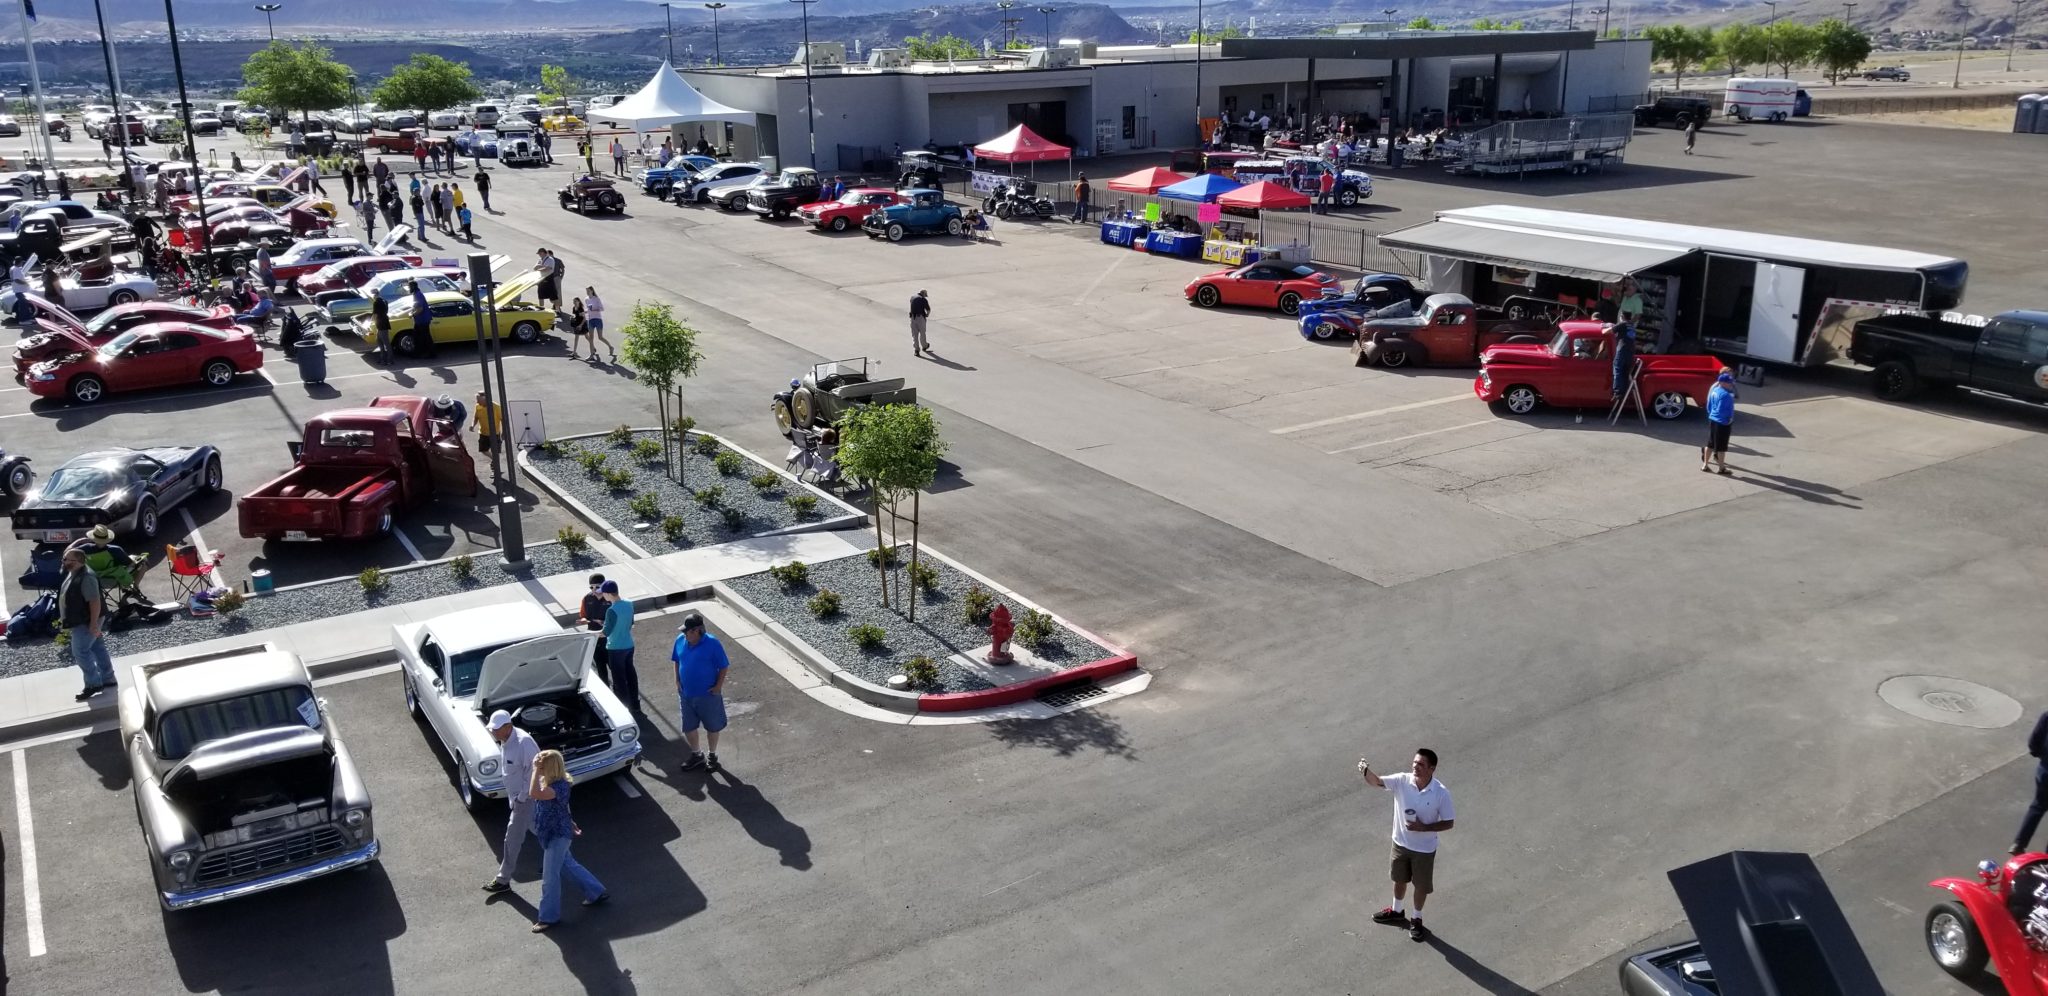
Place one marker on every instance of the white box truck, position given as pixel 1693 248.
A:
pixel 1751 98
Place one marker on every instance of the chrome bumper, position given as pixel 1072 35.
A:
pixel 185 900
pixel 588 767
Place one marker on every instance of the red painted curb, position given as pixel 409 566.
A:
pixel 1011 694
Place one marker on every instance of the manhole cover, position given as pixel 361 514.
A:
pixel 1950 700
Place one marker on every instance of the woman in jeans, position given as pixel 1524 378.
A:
pixel 552 824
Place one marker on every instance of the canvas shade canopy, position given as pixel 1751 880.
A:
pixel 1146 181
pixel 666 100
pixel 1205 187
pixel 1264 194
pixel 1021 145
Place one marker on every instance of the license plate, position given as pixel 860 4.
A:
pixel 57 535
pixel 296 534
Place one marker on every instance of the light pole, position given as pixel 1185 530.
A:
pixel 1957 83
pixel 355 110
pixel 1199 135
pixel 1770 40
pixel 1602 12
pixel 1009 22
pixel 2012 36
pixel 1047 11
pixel 113 83
pixel 191 147
pixel 1849 14
pixel 269 9
pixel 717 54
pixel 483 292
pixel 669 17
pixel 1564 74
pixel 810 102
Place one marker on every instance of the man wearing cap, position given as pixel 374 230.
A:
pixel 700 685
pixel 920 309
pixel 519 750
pixel 1720 421
pixel 618 644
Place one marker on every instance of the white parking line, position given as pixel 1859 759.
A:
pixel 1355 416
pixel 31 887
pixel 626 785
pixel 1416 435
pixel 409 548
pixel 220 575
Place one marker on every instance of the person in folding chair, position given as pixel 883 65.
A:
pixel 120 574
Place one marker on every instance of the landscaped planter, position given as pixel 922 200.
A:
pixel 305 603
pixel 941 630
pixel 761 511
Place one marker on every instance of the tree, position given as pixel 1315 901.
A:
pixel 925 48
pixel 1684 47
pixel 1489 24
pixel 1017 45
pixel 664 352
pixel 555 85
pixel 1792 44
pixel 1212 37
pixel 1422 24
pixel 428 83
pixel 894 450
pixel 1839 49
pixel 1741 45
pixel 298 77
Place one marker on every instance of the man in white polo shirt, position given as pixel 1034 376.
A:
pixel 1422 809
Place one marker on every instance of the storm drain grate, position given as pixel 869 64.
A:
pixel 1065 695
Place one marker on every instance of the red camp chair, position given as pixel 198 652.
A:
pixel 191 570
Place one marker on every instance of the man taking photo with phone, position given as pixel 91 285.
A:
pixel 1422 809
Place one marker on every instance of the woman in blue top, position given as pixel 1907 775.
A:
pixel 554 827
pixel 1720 419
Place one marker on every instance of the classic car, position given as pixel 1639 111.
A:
pixel 733 197
pixel 591 192
pixel 714 182
pixel 1449 332
pixel 518 146
pixel 2000 919
pixel 919 169
pixel 459 668
pixel 1268 283
pixel 241 781
pixel 478 142
pixel 1370 292
pixel 337 307
pixel 852 208
pixel 1766 923
pixel 401 142
pixel 126 490
pixel 1304 173
pixel 559 118
pixel 307 256
pixel 152 356
pixel 923 212
pixel 92 294
pixel 46 342
pixel 78 217
pixel 347 275
pixel 828 390
pixel 1894 73
pixel 519 319
pixel 1575 369
pixel 781 197
pixel 395 120
pixel 658 180
pixel 356 469
pixel 444 120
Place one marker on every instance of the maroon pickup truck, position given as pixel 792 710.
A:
pixel 1575 369
pixel 1450 332
pixel 356 469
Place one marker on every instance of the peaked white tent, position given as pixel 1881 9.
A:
pixel 666 100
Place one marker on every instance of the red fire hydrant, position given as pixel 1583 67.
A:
pixel 999 632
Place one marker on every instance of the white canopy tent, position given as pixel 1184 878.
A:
pixel 667 100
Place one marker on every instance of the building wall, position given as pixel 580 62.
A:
pixel 971 117
pixel 1613 68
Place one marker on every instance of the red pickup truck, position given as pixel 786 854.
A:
pixel 356 468
pixel 1575 369
pixel 1450 332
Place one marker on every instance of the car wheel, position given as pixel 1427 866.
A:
pixel 122 297
pixel 412 697
pixel 146 519
pixel 1895 381
pixel 1683 120
pixel 1393 356
pixel 1326 330
pixel 953 226
pixel 895 232
pixel 1668 405
pixel 407 343
pixel 218 373
pixel 212 478
pixel 1953 940
pixel 87 389
pixel 19 479
pixel 526 333
pixel 1207 296
pixel 803 408
pixel 784 423
pixel 1347 198
pixel 1290 303
pixel 1520 399
pixel 463 789
pixel 839 224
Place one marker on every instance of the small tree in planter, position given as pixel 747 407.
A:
pixel 664 352
pixel 894 449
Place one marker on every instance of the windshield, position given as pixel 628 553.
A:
pixel 104 320
pixel 181 730
pixel 1561 343
pixel 119 343
pixel 465 668
pixel 84 483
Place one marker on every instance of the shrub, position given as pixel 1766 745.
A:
pixel 924 576
pixel 620 434
pixel 1033 628
pixel 922 671
pixel 229 602
pixel 866 636
pixel 802 505
pixel 464 567
pixel 373 580
pixel 592 461
pixel 824 604
pixel 617 478
pixel 705 445
pixel 878 555
pixel 764 482
pixel 672 528
pixel 63 637
pixel 646 506
pixel 977 604
pixel 572 539
pixel 554 448
pixel 735 520
pixel 647 450
pixel 729 463
pixel 683 425
pixel 710 497
pixel 794 573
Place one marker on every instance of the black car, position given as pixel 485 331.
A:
pixel 779 198
pixel 1898 73
pixel 126 490
pixel 1674 111
pixel 1767 923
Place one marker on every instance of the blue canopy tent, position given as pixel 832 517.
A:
pixel 1201 188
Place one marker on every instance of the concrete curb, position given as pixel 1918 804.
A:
pixel 1027 689
pixel 840 678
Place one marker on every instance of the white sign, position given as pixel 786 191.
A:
pixel 986 183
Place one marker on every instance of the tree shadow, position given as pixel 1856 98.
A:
pixel 1485 978
pixel 1067 735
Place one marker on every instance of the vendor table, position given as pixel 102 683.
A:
pixel 1123 233
pixel 1184 244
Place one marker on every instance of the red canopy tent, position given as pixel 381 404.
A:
pixel 1264 195
pixel 1146 181
pixel 1021 145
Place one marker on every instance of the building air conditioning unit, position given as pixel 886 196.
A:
pixel 1058 58
pixel 1083 46
pixel 822 54
pixel 888 58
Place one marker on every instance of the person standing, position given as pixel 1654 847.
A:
pixel 920 310
pixel 589 157
pixel 380 318
pixel 419 210
pixel 547 147
pixel 265 273
pixel 80 609
pixel 556 830
pixel 518 750
pixel 462 215
pixel 381 171
pixel 419 160
pixel 593 314
pixel 348 184
pixel 1422 809
pixel 446 198
pixel 483 186
pixel 455 196
pixel 700 687
pixel 579 329
pixel 1326 186
pixel 591 614
pixel 1624 359
pixel 487 428
pixel 618 158
pixel 1082 191
pixel 422 321
pixel 618 644
pixel 1720 421
pixel 550 290
pixel 2037 745
pixel 1692 134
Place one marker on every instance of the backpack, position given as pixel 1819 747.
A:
pixel 561 270
pixel 35 620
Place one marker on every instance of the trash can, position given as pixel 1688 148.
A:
pixel 312 358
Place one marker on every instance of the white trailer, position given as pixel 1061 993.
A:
pixel 1752 98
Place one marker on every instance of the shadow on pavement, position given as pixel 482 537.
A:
pixel 1065 736
pixel 757 816
pixel 211 944
pixel 1485 978
pixel 102 753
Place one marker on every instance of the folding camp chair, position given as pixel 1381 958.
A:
pixel 191 570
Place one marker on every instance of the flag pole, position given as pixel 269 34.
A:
pixel 35 79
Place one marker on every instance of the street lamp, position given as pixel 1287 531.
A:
pixel 1957 84
pixel 114 84
pixel 355 110
pixel 269 9
pixel 1849 14
pixel 810 102
pixel 1011 22
pixel 670 17
pixel 1202 137
pixel 1047 11
pixel 483 293
pixel 191 147
pixel 1769 40
pixel 2012 38
pixel 1602 12
pixel 717 55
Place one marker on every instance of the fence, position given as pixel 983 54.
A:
pixel 1332 243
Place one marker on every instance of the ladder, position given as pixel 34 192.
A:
pixel 1632 394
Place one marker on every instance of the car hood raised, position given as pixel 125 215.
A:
pixel 547 665
pixel 242 752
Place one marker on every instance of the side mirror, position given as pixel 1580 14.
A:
pixel 437 684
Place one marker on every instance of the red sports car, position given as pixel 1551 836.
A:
pixel 154 356
pixel 305 257
pixel 51 341
pixel 852 208
pixel 349 274
pixel 1268 283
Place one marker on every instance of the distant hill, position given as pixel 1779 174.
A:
pixel 888 29
pixel 74 18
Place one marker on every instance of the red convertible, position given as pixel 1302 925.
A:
pixel 2000 919
pixel 350 274
pixel 1268 283
pixel 852 208
pixel 154 356
pixel 1575 369
pixel 52 341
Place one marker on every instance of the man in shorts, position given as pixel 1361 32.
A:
pixel 1422 809
pixel 700 685
pixel 1720 422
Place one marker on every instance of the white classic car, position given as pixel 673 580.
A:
pixel 444 120
pixel 461 667
pixel 92 295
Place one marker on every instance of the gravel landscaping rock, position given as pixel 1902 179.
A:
pixel 302 604
pixel 762 511
pixel 941 630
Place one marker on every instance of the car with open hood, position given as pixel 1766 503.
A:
pixel 520 318
pixel 159 355
pixel 459 668
pixel 126 490
pixel 337 307
pixel 1767 923
pixel 53 319
pixel 242 783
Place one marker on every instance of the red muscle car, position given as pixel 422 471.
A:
pixel 49 340
pixel 154 356
pixel 306 257
pixel 349 274
pixel 1268 283
pixel 852 208
pixel 1575 369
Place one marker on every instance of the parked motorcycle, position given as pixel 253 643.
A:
pixel 1016 201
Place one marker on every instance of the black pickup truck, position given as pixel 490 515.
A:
pixel 2006 355
pixel 779 198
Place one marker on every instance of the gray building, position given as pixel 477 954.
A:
pixel 1106 100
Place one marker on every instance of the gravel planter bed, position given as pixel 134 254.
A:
pixel 302 604
pixel 941 631
pixel 763 511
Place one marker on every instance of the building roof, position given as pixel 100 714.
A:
pixel 1406 44
pixel 1779 247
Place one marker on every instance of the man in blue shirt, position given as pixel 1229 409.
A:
pixel 618 644
pixel 700 684
pixel 1720 419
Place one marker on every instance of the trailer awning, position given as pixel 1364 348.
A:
pixel 1589 257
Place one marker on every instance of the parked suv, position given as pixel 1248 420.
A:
pixel 1898 73
pixel 1674 111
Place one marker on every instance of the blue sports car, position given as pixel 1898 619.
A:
pixel 1338 314
pixel 659 180
pixel 481 142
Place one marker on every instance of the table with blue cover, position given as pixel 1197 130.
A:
pixel 1183 244
pixel 1123 233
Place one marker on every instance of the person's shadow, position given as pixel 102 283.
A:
pixel 758 817
pixel 1485 978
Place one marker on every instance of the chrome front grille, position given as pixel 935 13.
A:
pixel 220 867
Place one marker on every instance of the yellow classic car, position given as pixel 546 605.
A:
pixel 520 318
pixel 558 118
